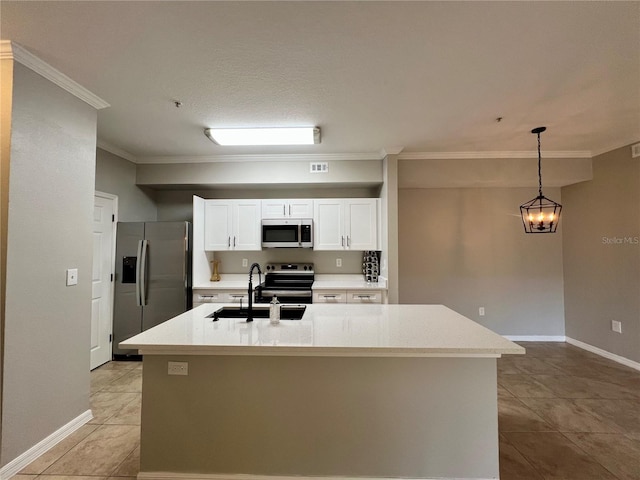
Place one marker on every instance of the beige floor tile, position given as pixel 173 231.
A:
pixel 122 478
pixel 21 476
pixel 507 366
pixel 105 405
pixel 101 378
pixel 45 460
pixel 566 416
pixel 514 416
pixel 513 466
pixel 525 386
pixel 70 477
pixel 533 365
pixel 100 453
pixel 130 414
pixel 617 453
pixel 120 365
pixel 129 382
pixel 131 465
pixel 623 413
pixel 564 386
pixel 556 457
pixel 503 392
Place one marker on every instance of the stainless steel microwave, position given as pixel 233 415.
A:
pixel 287 233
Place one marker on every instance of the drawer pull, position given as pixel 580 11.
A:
pixel 364 296
pixel 329 296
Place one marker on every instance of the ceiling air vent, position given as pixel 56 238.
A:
pixel 635 150
pixel 319 167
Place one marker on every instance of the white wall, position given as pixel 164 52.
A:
pixel 466 248
pixel 117 176
pixel 46 325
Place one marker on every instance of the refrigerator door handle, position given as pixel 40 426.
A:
pixel 143 273
pixel 138 261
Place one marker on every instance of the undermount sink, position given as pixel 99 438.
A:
pixel 287 312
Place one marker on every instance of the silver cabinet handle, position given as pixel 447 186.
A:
pixel 229 242
pixel 289 210
pixel 364 296
pixel 329 296
pixel 348 241
pixel 284 210
pixel 234 241
pixel 342 241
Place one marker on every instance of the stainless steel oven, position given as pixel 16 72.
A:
pixel 290 282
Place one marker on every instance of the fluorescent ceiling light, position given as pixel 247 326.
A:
pixel 264 136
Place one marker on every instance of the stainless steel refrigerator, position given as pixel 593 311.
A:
pixel 153 277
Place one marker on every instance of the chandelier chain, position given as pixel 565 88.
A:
pixel 539 167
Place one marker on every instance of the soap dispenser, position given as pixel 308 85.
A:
pixel 274 311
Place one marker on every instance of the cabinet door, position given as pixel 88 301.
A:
pixel 217 224
pixel 361 224
pixel 246 226
pixel 328 224
pixel 274 208
pixel 300 208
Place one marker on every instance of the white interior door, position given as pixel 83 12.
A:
pixel 104 211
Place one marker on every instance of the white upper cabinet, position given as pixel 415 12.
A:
pixel 232 225
pixel 301 208
pixel 346 224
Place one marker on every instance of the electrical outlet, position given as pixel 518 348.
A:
pixel 616 326
pixel 72 276
pixel 481 311
pixel 245 262
pixel 338 262
pixel 178 368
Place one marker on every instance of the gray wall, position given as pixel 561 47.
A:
pixel 321 416
pixel 117 176
pixel 466 248
pixel 46 362
pixel 601 233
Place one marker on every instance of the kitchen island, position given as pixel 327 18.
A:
pixel 404 391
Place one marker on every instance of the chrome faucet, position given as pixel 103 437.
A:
pixel 250 306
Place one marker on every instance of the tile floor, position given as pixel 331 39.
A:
pixel 564 414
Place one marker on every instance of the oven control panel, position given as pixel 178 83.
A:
pixel 289 268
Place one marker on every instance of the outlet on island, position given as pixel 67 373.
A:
pixel 338 262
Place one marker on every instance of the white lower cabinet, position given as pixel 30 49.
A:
pixel 364 297
pixel 330 296
pixel 347 296
pixel 220 296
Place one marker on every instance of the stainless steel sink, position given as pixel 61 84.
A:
pixel 287 312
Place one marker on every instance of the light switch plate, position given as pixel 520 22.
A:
pixel 72 276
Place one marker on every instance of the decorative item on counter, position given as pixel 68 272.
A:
pixel 215 276
pixel 274 311
pixel 370 266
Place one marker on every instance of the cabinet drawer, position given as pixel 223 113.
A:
pixel 236 297
pixel 364 297
pixel 209 297
pixel 330 296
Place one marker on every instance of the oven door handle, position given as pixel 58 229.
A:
pixel 287 293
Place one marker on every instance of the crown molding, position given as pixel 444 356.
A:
pixel 11 50
pixel 617 145
pixel 116 151
pixel 490 155
pixel 390 151
pixel 316 157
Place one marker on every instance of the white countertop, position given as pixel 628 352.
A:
pixel 328 330
pixel 321 282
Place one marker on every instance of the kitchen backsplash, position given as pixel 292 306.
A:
pixel 324 262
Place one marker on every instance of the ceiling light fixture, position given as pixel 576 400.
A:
pixel 264 136
pixel 540 215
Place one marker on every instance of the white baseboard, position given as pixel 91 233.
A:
pixel 17 464
pixel 241 476
pixel 604 353
pixel 535 338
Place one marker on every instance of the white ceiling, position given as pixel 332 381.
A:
pixel 421 76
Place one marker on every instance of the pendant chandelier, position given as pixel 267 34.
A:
pixel 540 215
